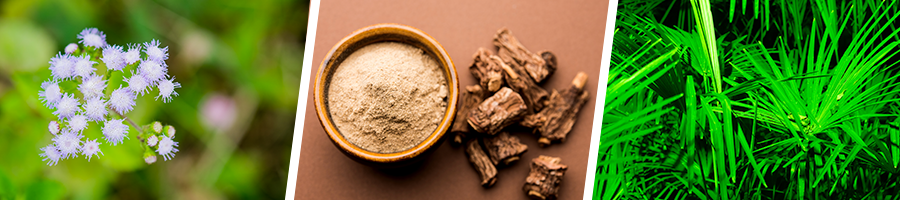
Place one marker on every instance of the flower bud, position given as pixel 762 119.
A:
pixel 71 48
pixel 149 157
pixel 157 127
pixel 54 127
pixel 170 131
pixel 152 140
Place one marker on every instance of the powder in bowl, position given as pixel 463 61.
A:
pixel 387 97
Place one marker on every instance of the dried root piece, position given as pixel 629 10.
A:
pixel 498 111
pixel 482 163
pixel 535 96
pixel 470 99
pixel 511 51
pixel 544 178
pixel 487 72
pixel 504 148
pixel 554 122
pixel 550 60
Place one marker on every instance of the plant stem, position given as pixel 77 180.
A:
pixel 106 79
pixel 138 128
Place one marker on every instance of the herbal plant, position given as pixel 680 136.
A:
pixel 79 94
pixel 752 100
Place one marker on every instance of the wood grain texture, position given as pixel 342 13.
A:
pixel 487 72
pixel 535 96
pixel 544 179
pixel 512 51
pixel 555 122
pixel 470 98
pixel 482 163
pixel 504 148
pixel 500 110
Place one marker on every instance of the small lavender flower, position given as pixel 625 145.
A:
pixel 78 123
pixel 53 127
pixel 92 37
pixel 170 131
pixel 50 94
pixel 84 66
pixel 51 154
pixel 167 89
pixel 95 109
pixel 90 149
pixel 62 66
pixel 152 140
pixel 133 54
pixel 113 57
pixel 68 143
pixel 137 83
pixel 154 52
pixel 71 48
pixel 122 100
pixel 153 70
pixel 66 107
pixel 114 131
pixel 149 158
pixel 156 126
pixel 167 148
pixel 92 86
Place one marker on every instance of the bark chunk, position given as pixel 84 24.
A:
pixel 471 98
pixel 482 163
pixel 544 179
pixel 554 122
pixel 486 71
pixel 535 96
pixel 498 111
pixel 512 51
pixel 550 60
pixel 504 148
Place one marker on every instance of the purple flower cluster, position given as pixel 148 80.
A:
pixel 93 101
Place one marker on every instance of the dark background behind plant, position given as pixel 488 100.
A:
pixel 231 56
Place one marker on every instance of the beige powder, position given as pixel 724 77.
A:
pixel 387 97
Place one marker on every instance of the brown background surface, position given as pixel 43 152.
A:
pixel 573 30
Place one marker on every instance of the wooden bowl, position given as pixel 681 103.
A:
pixel 385 33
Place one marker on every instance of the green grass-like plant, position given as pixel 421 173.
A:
pixel 753 99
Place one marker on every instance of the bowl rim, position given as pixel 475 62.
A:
pixel 371 31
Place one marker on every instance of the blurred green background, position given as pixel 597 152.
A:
pixel 239 64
